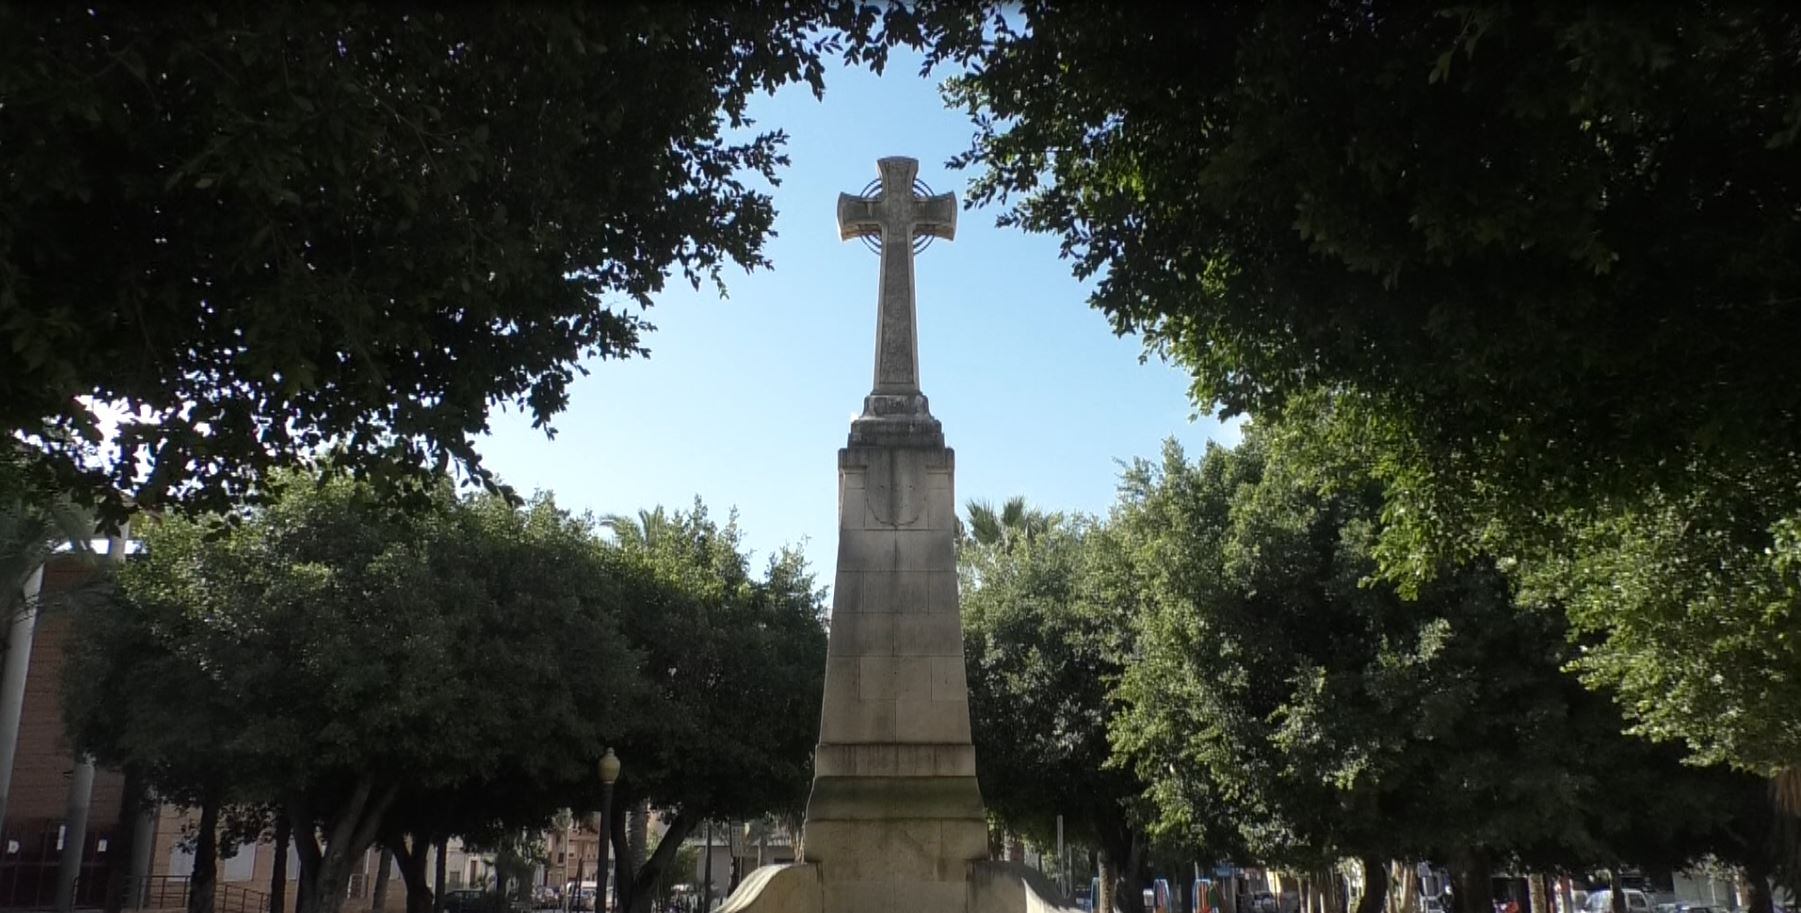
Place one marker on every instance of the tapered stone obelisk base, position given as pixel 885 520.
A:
pixel 895 811
pixel 895 822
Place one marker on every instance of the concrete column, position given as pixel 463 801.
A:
pixel 20 630
pixel 143 845
pixel 75 832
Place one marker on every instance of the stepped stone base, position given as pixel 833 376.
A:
pixel 983 887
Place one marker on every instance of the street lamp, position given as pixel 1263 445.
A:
pixel 609 774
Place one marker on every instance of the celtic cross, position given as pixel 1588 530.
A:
pixel 895 217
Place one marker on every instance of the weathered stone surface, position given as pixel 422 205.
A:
pixel 1011 887
pixel 895 821
pixel 777 889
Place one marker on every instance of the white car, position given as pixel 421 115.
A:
pixel 1602 901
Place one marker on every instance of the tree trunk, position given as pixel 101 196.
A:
pixel 1132 900
pixel 618 834
pixel 1616 892
pixel 1375 886
pixel 412 856
pixel 325 870
pixel 278 878
pixel 640 834
pixel 442 849
pixel 206 856
pixel 302 884
pixel 645 881
pixel 135 792
pixel 1757 888
pixel 378 896
pixel 1404 895
pixel 1475 891
pixel 1109 877
pixel 1536 894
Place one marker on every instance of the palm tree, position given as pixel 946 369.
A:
pixel 640 530
pixel 1015 525
pixel 31 529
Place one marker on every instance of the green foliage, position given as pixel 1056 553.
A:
pixel 1541 258
pixel 1014 525
pixel 1043 655
pixel 1280 688
pixel 1701 611
pixel 733 666
pixel 453 670
pixel 33 525
pixel 326 638
pixel 264 231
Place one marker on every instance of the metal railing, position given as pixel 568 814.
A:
pixel 163 892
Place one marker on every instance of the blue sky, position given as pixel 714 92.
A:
pixel 746 400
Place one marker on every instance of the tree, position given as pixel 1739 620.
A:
pixel 735 667
pixel 259 234
pixel 331 655
pixel 1044 647
pixel 33 524
pixel 1280 687
pixel 1015 525
pixel 1538 258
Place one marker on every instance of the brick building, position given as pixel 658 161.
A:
pixel 38 802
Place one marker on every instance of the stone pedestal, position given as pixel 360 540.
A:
pixel 895 823
pixel 895 811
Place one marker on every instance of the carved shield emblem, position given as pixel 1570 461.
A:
pixel 894 491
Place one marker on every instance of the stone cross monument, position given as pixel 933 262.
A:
pixel 895 822
pixel 895 218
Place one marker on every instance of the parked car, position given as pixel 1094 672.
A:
pixel 580 897
pixel 468 900
pixel 1602 901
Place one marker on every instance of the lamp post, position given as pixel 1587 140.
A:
pixel 737 839
pixel 609 774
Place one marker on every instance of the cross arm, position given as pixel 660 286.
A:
pixel 937 216
pixel 856 217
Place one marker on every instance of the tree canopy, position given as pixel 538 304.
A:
pixel 733 672
pixel 257 234
pixel 1539 259
pixel 1216 665
pixel 1279 690
pixel 1044 642
pixel 455 670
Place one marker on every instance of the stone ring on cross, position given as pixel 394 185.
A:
pixel 921 191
